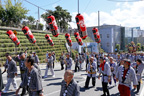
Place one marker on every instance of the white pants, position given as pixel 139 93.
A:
pixel 51 69
pixel 9 81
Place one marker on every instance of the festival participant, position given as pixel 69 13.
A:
pixel 113 70
pixel 47 54
pixel 61 59
pixel 11 73
pixel 36 58
pixel 54 58
pixel 1 82
pixel 68 62
pixel 91 70
pixel 81 60
pixel 32 79
pixel 68 86
pixel 138 69
pixel 21 59
pixel 126 75
pixel 5 65
pixel 76 63
pixel 118 59
pixel 106 75
pixel 49 65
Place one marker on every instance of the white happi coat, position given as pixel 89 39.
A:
pixel 130 76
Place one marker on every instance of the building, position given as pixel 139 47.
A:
pixel 110 36
pixel 114 34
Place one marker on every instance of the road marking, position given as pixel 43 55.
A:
pixel 142 92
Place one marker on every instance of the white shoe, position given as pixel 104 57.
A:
pixel 53 76
pixel 4 91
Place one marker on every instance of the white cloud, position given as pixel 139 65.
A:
pixel 126 14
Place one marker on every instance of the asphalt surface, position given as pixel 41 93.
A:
pixel 52 85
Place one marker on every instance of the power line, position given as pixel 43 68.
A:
pixel 35 5
pixel 51 3
pixel 87 6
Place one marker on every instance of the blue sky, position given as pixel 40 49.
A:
pixel 118 13
pixel 87 6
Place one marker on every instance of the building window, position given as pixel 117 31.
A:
pixel 107 44
pixel 107 35
pixel 100 35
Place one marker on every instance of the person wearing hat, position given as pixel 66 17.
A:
pixel 91 70
pixel 11 73
pixel 113 70
pixel 49 65
pixel 106 75
pixel 68 62
pixel 126 75
pixel 138 69
pixel 36 58
pixel 106 57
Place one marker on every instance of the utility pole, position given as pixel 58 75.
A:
pixel 38 19
pixel 99 47
pixel 98 19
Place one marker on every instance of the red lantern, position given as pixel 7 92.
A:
pixel 13 37
pixel 68 38
pixel 29 34
pixel 96 35
pixel 79 40
pixel 81 26
pixel 49 40
pixel 53 25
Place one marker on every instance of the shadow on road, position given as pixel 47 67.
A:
pixel 82 89
pixel 50 79
pixel 58 83
pixel 117 94
pixel 58 70
pixel 98 89
pixel 9 94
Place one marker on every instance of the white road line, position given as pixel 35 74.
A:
pixel 142 92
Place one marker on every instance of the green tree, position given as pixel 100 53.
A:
pixel 61 15
pixel 138 46
pixel 117 47
pixel 142 47
pixel 31 19
pixel 12 14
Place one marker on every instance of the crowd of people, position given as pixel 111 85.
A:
pixel 124 68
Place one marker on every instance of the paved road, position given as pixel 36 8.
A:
pixel 52 85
